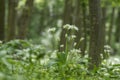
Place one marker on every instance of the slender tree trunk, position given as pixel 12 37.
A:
pixel 24 19
pixel 66 20
pixel 104 18
pixel 96 37
pixel 117 32
pixel 111 26
pixel 78 23
pixel 12 4
pixel 84 9
pixel 104 26
pixel 45 14
pixel 2 20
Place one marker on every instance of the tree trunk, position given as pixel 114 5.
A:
pixel 12 4
pixel 96 37
pixel 24 19
pixel 78 23
pixel 104 26
pixel 44 18
pixel 2 20
pixel 117 32
pixel 104 18
pixel 67 19
pixel 84 11
pixel 111 26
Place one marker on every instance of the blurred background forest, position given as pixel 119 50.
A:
pixel 49 27
pixel 31 19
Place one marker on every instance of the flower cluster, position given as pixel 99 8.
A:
pixel 0 42
pixel 107 49
pixel 51 29
pixel 70 27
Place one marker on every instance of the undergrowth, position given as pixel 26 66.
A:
pixel 22 60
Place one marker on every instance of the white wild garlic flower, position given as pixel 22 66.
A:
pixel 70 27
pixel 61 45
pixel 73 36
pixel 51 29
pixel 81 39
pixel 107 49
pixel 66 35
pixel 75 44
pixel 75 51
pixel 0 42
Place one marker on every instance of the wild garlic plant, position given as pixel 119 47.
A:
pixel 70 35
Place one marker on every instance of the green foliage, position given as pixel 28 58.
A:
pixel 113 3
pixel 22 60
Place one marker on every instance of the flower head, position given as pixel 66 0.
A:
pixel 70 27
pixel 51 29
pixel 0 42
